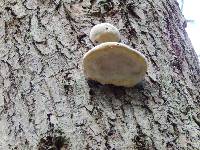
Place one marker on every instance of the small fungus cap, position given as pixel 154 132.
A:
pixel 114 63
pixel 104 32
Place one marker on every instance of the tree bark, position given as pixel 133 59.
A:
pixel 46 102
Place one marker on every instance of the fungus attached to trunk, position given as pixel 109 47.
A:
pixel 104 32
pixel 112 62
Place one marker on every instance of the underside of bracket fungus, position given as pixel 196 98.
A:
pixel 114 63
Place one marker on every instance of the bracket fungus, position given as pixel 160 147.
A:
pixel 104 32
pixel 113 63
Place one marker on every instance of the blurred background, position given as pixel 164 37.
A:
pixel 191 11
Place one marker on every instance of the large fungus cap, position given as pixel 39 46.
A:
pixel 114 63
pixel 104 32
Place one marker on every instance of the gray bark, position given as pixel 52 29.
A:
pixel 46 102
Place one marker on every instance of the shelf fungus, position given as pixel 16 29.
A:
pixel 114 63
pixel 104 32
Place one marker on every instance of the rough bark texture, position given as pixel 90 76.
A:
pixel 46 103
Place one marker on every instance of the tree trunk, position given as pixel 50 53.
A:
pixel 46 102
